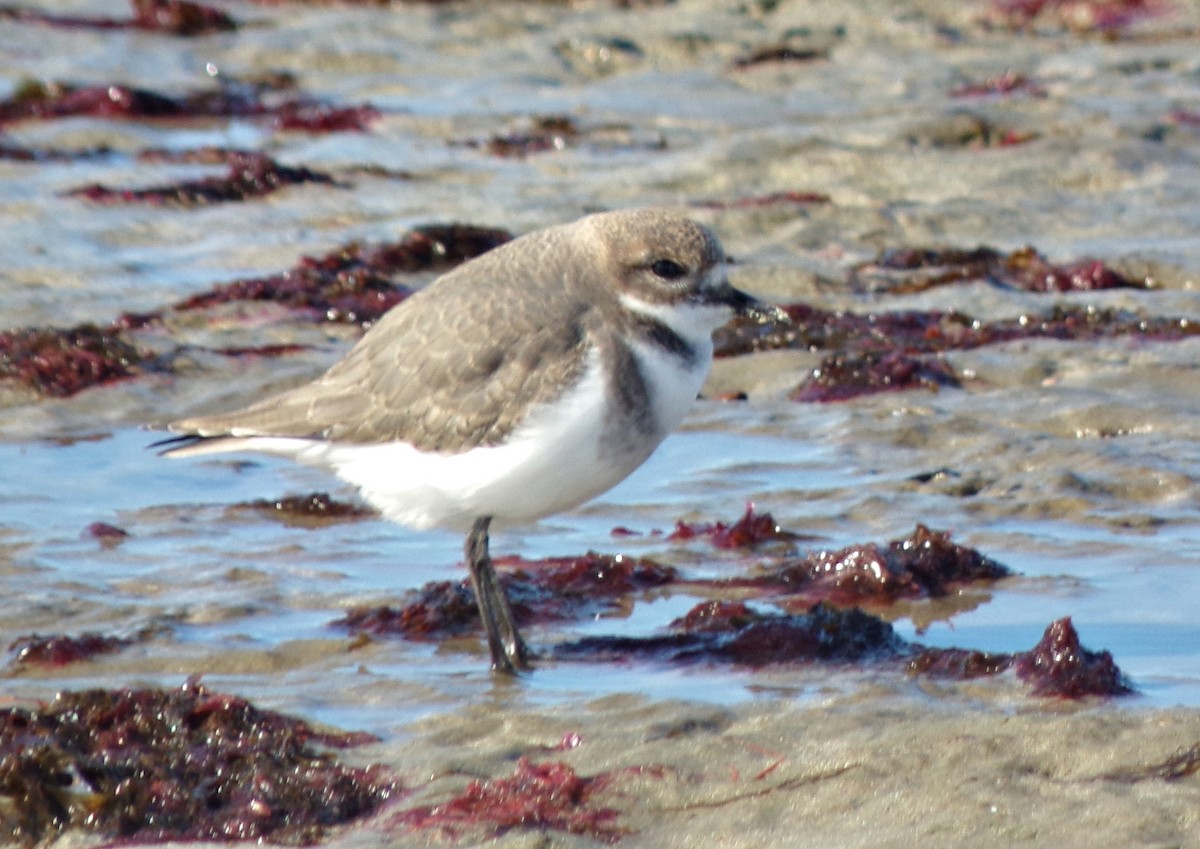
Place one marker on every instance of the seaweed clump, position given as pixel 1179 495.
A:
pixel 733 632
pixel 1103 16
pixel 1010 82
pixel 1057 667
pixel 355 283
pixel 314 510
pixel 906 270
pixel 750 530
pixel 61 650
pixel 250 175
pixel 875 352
pixel 547 590
pixel 550 796
pixel 38 100
pixel 60 362
pixel 548 133
pixel 926 564
pixel 843 376
pixel 173 17
pixel 1060 666
pixel 185 764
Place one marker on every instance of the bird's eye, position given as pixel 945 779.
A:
pixel 667 269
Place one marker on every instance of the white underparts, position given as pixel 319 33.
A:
pixel 553 461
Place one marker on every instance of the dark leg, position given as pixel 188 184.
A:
pixel 509 654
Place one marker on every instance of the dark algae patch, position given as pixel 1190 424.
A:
pixel 61 649
pixel 36 100
pixel 749 531
pixel 550 133
pixel 843 376
pixel 249 175
pixel 170 17
pixel 767 200
pixel 314 510
pixel 926 564
pixel 906 270
pixel 438 610
pixel 1057 667
pixel 1106 17
pixel 547 796
pixel 549 590
pixel 875 352
pixel 60 362
pixel 185 764
pixel 733 632
pixel 1008 83
pixel 356 283
pixel 1060 666
pixel 779 608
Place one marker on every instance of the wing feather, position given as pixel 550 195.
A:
pixel 453 367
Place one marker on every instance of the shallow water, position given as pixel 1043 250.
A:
pixel 1075 464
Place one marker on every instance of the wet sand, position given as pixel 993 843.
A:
pixel 1076 464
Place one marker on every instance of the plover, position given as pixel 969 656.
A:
pixel 520 384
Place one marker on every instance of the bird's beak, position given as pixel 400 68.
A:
pixel 746 305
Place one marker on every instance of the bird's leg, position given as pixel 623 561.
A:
pixel 509 654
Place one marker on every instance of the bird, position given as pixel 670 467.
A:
pixel 518 385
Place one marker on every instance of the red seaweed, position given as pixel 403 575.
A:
pixel 545 796
pixel 173 17
pixel 1009 82
pixel 748 531
pixel 61 650
pixel 261 351
pixel 437 610
pixel 1057 667
pixel 1104 16
pixel 62 362
pixel 314 510
pixel 926 564
pixel 18 153
pixel 355 283
pixel 546 133
pixel 776 54
pixel 843 376
pixel 1185 117
pixel 303 116
pixel 250 175
pixel 731 632
pixel 352 284
pixel 936 331
pixel 186 764
pixel 909 270
pixel 770 199
pixel 552 589
pixel 959 664
pixel 829 627
pixel 35 100
pixel 591 575
pixel 106 533
pixel 1060 666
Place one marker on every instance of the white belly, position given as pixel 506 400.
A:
pixel 554 461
